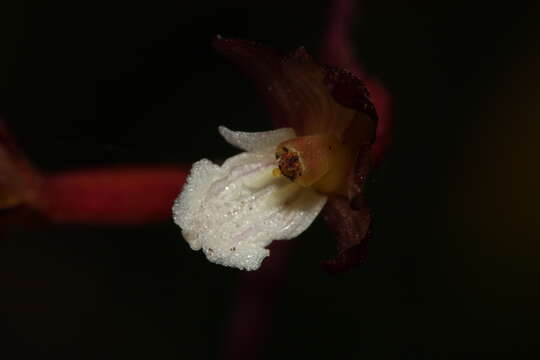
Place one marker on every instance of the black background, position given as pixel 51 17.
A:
pixel 453 269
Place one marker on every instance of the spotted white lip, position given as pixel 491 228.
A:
pixel 234 211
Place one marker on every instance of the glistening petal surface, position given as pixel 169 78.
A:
pixel 234 211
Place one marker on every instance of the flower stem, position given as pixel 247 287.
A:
pixel 127 195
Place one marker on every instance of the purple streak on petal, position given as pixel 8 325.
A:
pixel 339 51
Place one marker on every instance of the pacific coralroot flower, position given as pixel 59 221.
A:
pixel 318 155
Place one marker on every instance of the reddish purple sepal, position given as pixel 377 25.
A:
pixel 287 99
pixel 295 88
pixel 352 229
pixel 350 91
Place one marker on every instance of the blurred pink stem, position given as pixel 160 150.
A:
pixel 257 293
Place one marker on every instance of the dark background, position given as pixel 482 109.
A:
pixel 453 269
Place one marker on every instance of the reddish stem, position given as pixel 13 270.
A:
pixel 257 293
pixel 112 196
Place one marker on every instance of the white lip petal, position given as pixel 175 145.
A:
pixel 256 141
pixel 235 210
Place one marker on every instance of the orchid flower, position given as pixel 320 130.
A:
pixel 319 154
